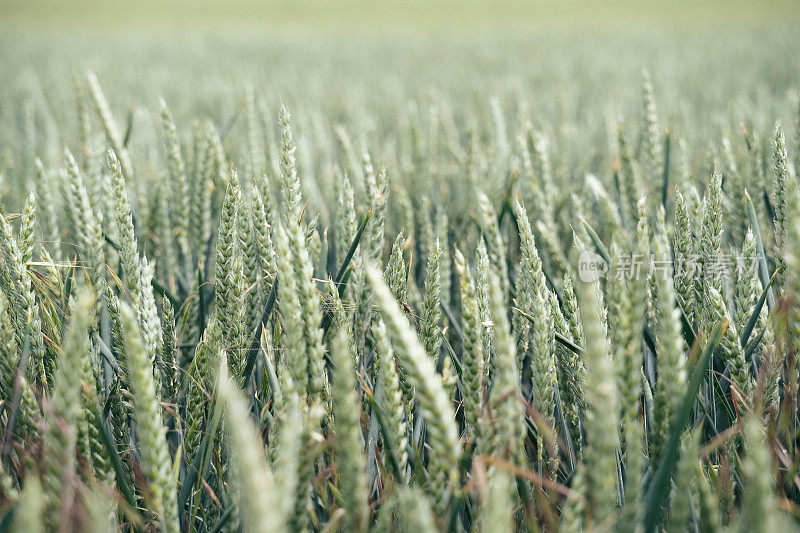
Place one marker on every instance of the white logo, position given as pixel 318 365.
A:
pixel 591 266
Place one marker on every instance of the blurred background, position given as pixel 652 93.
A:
pixel 366 17
pixel 568 65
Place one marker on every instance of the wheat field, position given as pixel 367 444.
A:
pixel 307 267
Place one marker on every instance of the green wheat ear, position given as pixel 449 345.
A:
pixel 495 246
pixel 627 347
pixel 431 318
pixel 137 272
pixel 102 511
pixel 256 486
pixel 730 347
pixel 390 395
pixel 29 414
pixel 109 124
pixel 414 511
pixel 150 429
pixel 29 512
pixel 684 248
pixel 180 192
pixel 670 344
pixel 228 272
pixel 294 344
pixel 429 391
pixel 601 420
pixel 27 228
pixel 298 248
pixel 50 223
pixel 792 262
pixel 780 185
pixel 62 415
pixel 759 509
pixel 650 134
pixel 497 509
pixel 347 446
pixel 395 273
pixel 24 309
pixel 505 398
pixel 86 226
pixel 537 339
pixel 684 493
pixel 472 358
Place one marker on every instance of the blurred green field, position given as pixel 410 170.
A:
pixel 383 15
